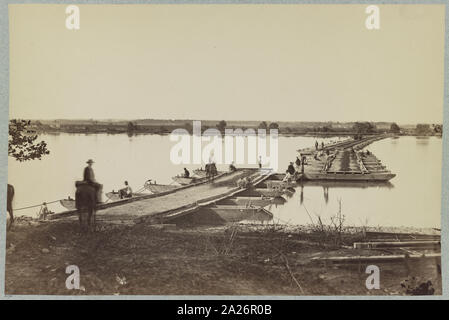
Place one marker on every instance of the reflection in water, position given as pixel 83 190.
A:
pixel 348 184
pixel 326 185
pixel 289 193
pixel 326 194
pixel 422 140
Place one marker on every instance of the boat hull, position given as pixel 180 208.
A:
pixel 186 181
pixel 273 184
pixel 158 188
pixel 349 176
pixel 232 213
pixel 250 201
pixel 69 204
pixel 115 196
pixel 257 192
pixel 200 173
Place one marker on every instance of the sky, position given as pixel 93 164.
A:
pixel 231 62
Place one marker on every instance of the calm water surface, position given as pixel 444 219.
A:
pixel 413 198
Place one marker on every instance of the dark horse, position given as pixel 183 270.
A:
pixel 211 170
pixel 10 196
pixel 86 203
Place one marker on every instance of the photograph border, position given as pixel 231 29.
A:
pixel 4 116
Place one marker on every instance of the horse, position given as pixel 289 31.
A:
pixel 86 202
pixel 10 197
pixel 211 170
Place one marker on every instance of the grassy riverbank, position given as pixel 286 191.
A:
pixel 233 260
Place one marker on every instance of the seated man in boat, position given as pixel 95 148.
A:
pixel 126 192
pixel 288 177
pixel 186 173
pixel 232 167
pixel 89 177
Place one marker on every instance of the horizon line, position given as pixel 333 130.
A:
pixel 216 120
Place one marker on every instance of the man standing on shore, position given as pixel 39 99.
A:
pixel 89 177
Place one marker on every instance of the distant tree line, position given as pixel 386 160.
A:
pixel 427 129
pixel 357 129
pixel 221 126
pixel 394 128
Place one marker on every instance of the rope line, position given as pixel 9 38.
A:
pixel 37 205
pixel 41 204
pixel 140 190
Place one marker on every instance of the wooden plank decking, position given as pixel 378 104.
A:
pixel 176 202
pixel 345 163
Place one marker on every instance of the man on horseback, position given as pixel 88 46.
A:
pixel 89 177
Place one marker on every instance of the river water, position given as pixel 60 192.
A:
pixel 412 199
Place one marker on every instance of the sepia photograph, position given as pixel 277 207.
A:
pixel 225 150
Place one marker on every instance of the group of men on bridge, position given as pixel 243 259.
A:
pixel 316 145
pixel 294 169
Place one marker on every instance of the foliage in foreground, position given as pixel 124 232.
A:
pixel 22 144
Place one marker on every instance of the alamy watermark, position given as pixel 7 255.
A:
pixel 72 21
pixel 373 280
pixel 73 280
pixel 225 148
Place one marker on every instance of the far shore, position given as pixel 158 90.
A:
pixel 292 128
pixel 280 133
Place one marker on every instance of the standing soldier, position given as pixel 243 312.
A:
pixel 298 164
pixel 89 177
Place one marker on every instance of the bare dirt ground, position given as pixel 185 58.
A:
pixel 142 259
